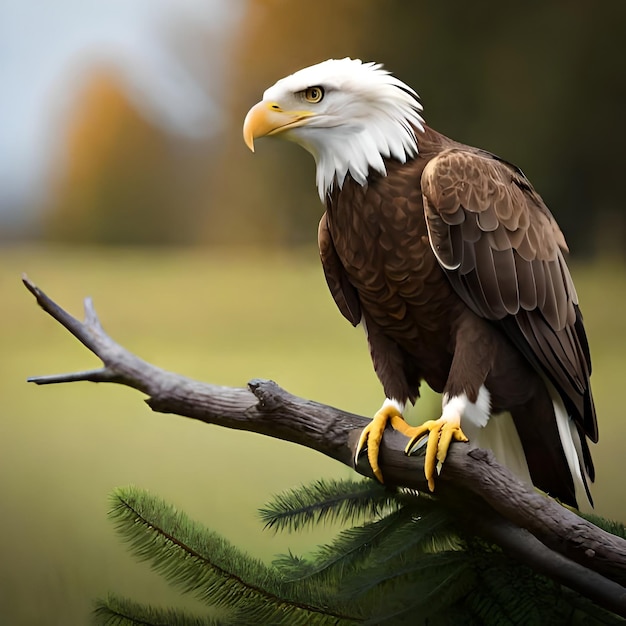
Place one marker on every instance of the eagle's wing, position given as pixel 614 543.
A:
pixel 503 253
pixel 342 290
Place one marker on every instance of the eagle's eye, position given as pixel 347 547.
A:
pixel 314 94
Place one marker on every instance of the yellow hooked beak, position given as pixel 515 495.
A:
pixel 267 118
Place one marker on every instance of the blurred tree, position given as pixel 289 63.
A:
pixel 123 180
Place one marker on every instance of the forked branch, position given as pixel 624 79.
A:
pixel 531 527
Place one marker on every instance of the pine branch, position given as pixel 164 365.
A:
pixel 265 408
pixel 198 561
pixel 117 611
pixel 331 563
pixel 327 501
pixel 444 582
pixel 407 531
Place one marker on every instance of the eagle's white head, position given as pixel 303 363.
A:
pixel 348 114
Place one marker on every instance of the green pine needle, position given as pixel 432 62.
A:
pixel 433 592
pixel 343 501
pixel 429 528
pixel 420 526
pixel 422 572
pixel 117 611
pixel 344 555
pixel 610 526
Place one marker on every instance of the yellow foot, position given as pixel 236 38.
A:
pixel 372 434
pixel 440 434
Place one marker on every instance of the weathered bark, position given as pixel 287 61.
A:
pixel 531 527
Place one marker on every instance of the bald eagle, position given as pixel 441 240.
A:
pixel 453 266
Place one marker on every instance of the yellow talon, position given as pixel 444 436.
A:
pixel 440 433
pixel 372 435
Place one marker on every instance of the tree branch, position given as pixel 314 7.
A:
pixel 531 527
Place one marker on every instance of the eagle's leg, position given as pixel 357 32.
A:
pixel 465 395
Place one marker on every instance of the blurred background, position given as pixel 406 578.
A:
pixel 123 176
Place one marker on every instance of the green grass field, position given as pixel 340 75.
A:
pixel 224 317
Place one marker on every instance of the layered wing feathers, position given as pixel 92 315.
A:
pixel 503 253
pixel 485 219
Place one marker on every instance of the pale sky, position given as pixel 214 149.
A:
pixel 46 48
